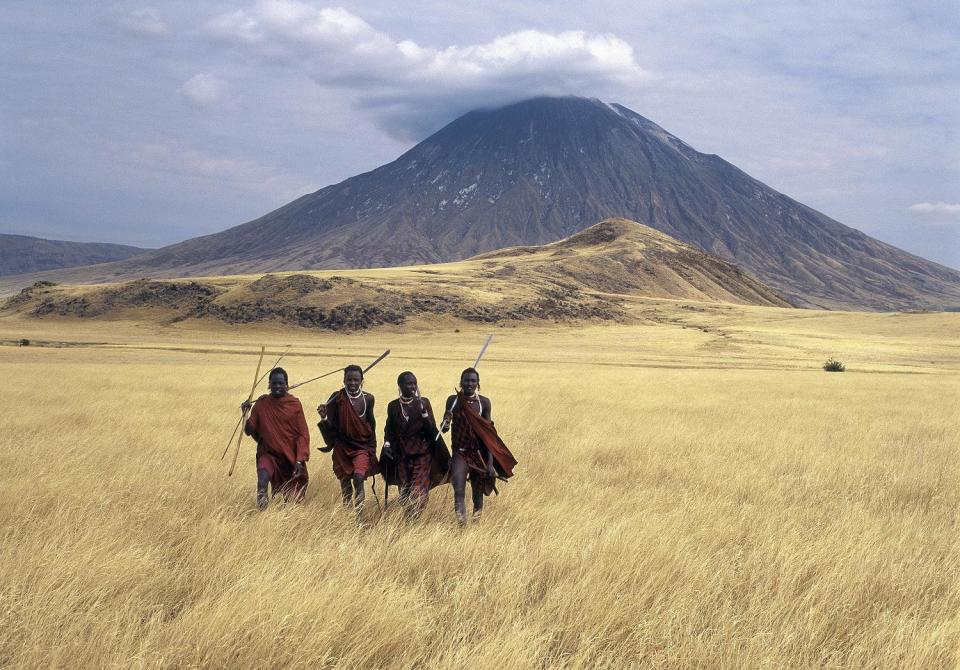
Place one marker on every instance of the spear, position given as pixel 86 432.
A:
pixel 325 374
pixel 253 389
pixel 235 428
pixel 483 350
pixel 333 372
pixel 380 358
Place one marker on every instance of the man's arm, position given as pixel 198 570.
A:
pixel 486 408
pixel 389 430
pixel 372 420
pixel 302 446
pixel 251 425
pixel 447 414
pixel 328 423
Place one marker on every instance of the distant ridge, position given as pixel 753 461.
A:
pixel 21 253
pixel 598 274
pixel 540 170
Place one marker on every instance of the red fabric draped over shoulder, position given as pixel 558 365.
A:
pixel 486 434
pixel 280 429
pixel 354 444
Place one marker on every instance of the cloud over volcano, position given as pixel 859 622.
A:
pixel 412 89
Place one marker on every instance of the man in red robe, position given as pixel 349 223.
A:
pixel 478 451
pixel 410 442
pixel 347 426
pixel 278 425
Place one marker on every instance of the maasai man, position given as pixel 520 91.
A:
pixel 278 425
pixel 410 441
pixel 477 449
pixel 348 428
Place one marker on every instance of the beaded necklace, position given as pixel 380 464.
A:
pixel 360 394
pixel 409 401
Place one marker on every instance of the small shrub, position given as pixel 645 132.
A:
pixel 24 342
pixel 833 365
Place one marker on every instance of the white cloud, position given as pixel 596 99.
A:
pixel 941 213
pixel 205 89
pixel 145 21
pixel 412 89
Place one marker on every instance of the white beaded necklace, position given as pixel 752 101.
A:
pixel 359 395
pixel 404 401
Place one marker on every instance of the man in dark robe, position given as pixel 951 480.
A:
pixel 478 451
pixel 410 442
pixel 348 428
pixel 278 425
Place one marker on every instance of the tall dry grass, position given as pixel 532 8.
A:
pixel 684 499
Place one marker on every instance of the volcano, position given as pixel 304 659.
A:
pixel 540 170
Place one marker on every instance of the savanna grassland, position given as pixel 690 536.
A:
pixel 692 492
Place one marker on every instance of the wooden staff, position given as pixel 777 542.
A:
pixel 243 417
pixel 235 428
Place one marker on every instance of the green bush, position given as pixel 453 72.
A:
pixel 833 365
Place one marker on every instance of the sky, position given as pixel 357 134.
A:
pixel 150 123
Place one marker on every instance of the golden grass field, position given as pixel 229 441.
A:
pixel 691 493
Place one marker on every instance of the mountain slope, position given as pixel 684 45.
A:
pixel 542 169
pixel 596 274
pixel 21 253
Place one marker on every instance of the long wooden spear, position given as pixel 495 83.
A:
pixel 235 428
pixel 333 372
pixel 253 389
pixel 325 374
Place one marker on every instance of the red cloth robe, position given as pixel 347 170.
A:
pixel 351 437
pixel 474 437
pixel 280 429
pixel 421 463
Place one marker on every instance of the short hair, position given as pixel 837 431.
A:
pixel 404 374
pixel 280 371
pixel 352 368
pixel 468 371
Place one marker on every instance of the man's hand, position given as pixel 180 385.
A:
pixel 387 451
pixel 491 472
pixel 322 411
pixel 245 406
pixel 298 469
pixel 445 424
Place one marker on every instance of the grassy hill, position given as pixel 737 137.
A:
pixel 595 275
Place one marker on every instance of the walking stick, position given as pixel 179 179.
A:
pixel 243 417
pixel 235 428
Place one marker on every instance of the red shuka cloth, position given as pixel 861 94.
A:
pixel 354 444
pixel 280 429
pixel 471 433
